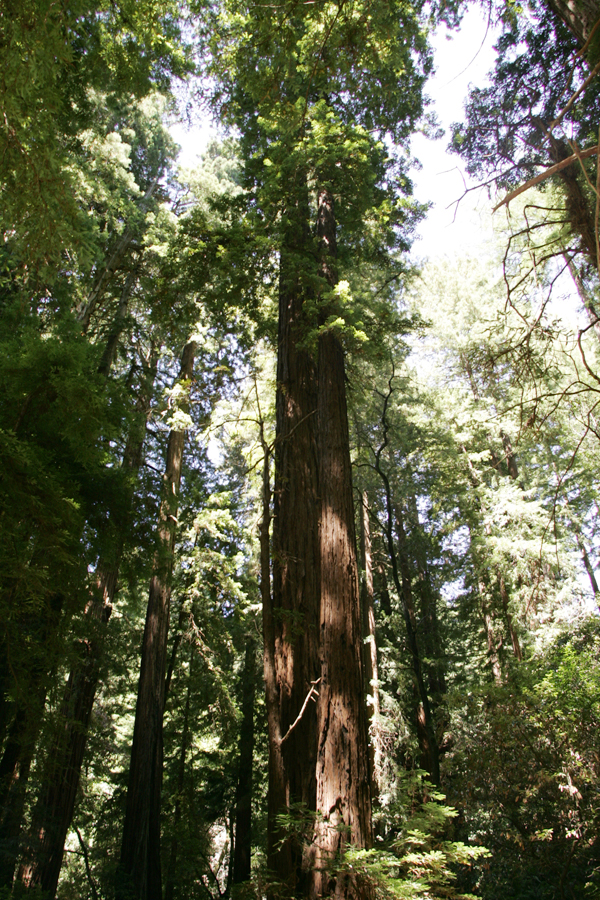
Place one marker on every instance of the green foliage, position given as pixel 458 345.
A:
pixel 524 771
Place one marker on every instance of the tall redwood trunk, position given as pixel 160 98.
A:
pixel 343 790
pixel 53 812
pixel 139 874
pixel 291 619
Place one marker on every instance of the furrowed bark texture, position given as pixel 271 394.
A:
pixel 292 625
pixel 139 874
pixel 343 793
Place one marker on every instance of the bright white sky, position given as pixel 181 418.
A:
pixel 461 58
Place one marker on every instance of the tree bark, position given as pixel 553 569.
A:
pixel 243 797
pixel 291 617
pixel 343 796
pixel 139 874
pixel 588 565
pixel 171 878
pixel 579 16
pixel 584 296
pixel 488 622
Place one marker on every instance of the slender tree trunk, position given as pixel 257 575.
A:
pixel 106 274
pixel 514 637
pixel 371 668
pixel 584 296
pixel 429 597
pixel 513 472
pixel 490 632
pixel 139 874
pixel 426 728
pixel 171 878
pixel 402 583
pixel 588 565
pixel 14 774
pixel 243 797
pixel 291 618
pixel 384 596
pixel 54 810
pixel 343 796
pixel 110 349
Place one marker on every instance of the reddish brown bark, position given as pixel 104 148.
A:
pixel 343 798
pixel 343 790
pixel 291 624
pixel 139 874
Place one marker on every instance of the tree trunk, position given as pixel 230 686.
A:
pixel 579 16
pixel 425 720
pixel 343 796
pixel 514 637
pixel 20 745
pixel 185 736
pixel 490 633
pixel 291 618
pixel 53 812
pixel 402 582
pixel 243 797
pixel 14 774
pixel 139 874
pixel 371 669
pixel 584 296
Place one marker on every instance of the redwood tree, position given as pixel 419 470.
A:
pixel 313 100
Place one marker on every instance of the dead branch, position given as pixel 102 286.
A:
pixel 313 692
pixel 552 170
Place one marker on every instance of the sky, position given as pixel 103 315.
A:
pixel 462 58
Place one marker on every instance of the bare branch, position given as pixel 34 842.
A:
pixel 312 693
pixel 552 170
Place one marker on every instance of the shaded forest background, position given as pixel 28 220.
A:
pixel 147 459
